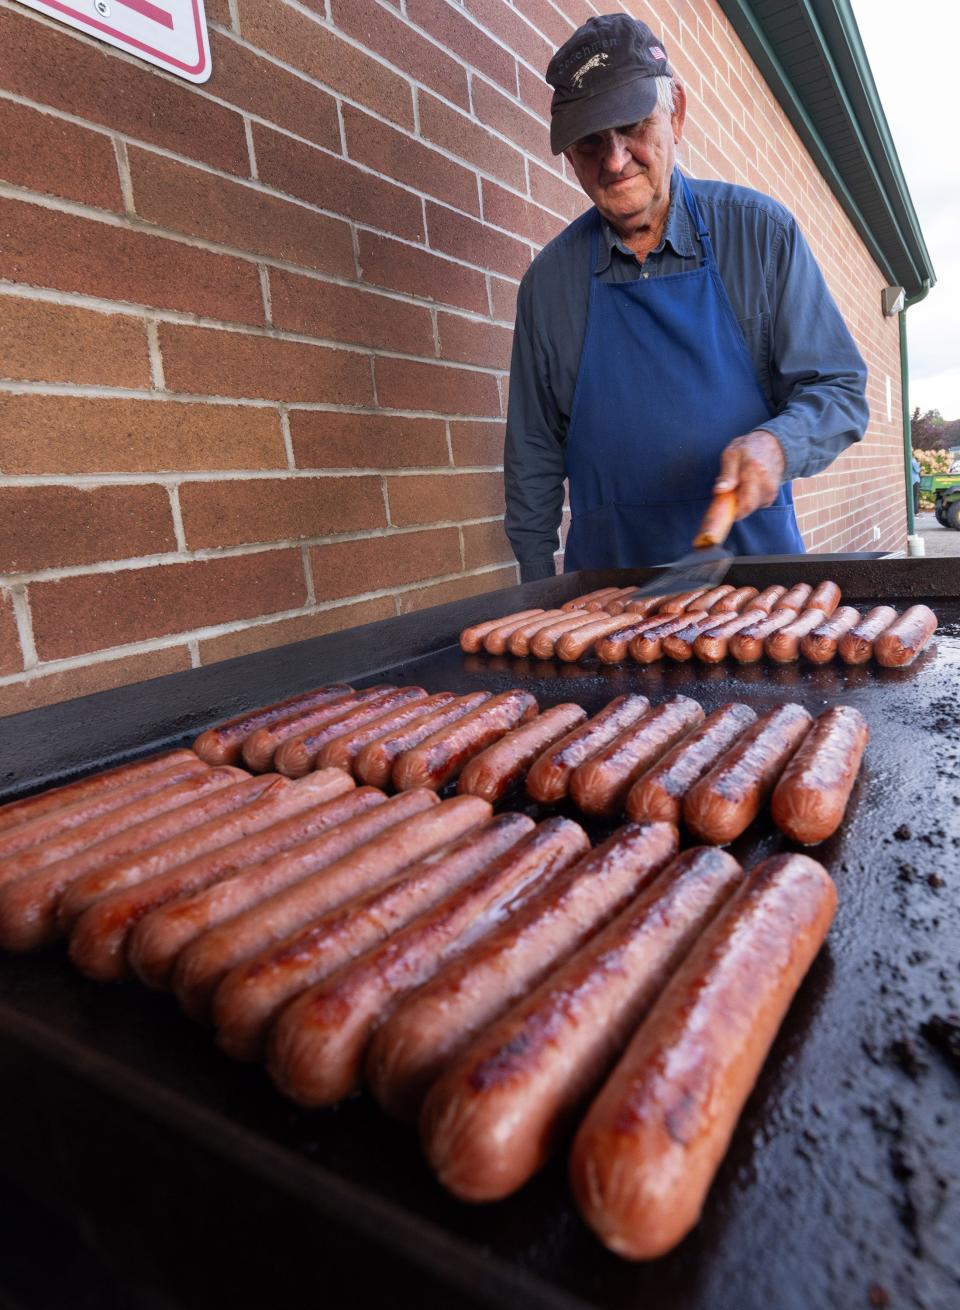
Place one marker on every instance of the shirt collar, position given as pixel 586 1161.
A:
pixel 677 232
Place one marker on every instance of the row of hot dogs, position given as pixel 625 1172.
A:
pixel 483 974
pixel 670 762
pixel 711 625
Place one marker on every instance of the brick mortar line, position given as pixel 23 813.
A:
pixel 134 223
pixel 81 392
pixel 156 356
pixel 169 479
pixel 206 554
pixel 23 618
pixel 176 514
pixel 170 641
pixel 131 309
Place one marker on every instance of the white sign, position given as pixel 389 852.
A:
pixel 169 33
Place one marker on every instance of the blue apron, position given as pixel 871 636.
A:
pixel 665 383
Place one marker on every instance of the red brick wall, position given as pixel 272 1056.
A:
pixel 254 335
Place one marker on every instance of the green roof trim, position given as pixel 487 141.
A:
pixel 811 56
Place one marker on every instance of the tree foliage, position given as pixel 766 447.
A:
pixel 931 431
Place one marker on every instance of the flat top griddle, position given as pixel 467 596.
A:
pixel 842 1178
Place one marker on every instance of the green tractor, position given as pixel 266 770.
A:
pixel 946 488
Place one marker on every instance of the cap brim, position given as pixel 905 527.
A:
pixel 615 107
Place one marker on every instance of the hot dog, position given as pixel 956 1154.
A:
pixel 28 901
pixel 518 642
pixel 341 752
pixel 223 744
pixel 736 601
pixel 856 646
pixel 727 799
pixel 59 821
pixel 495 1115
pixel 495 642
pixel 199 827
pixel 747 645
pixel 87 789
pixel 677 604
pixel 783 646
pixel 647 647
pixel 471 639
pixel 441 757
pixel 820 646
pixel 298 754
pixel 825 596
pixel 215 949
pixel 600 784
pixel 101 930
pixel 573 646
pixel 491 773
pixel 797 598
pixel 676 643
pixel 902 642
pixel 374 764
pixel 196 895
pixel 647 1150
pixel 644 605
pixel 769 599
pixel 614 648
pixel 544 642
pixel 712 598
pixel 601 602
pixel 578 602
pixel 549 779
pixel 811 797
pixel 300 943
pixel 710 646
pixel 635 602
pixel 659 793
pixel 318 1042
pixel 260 748
pixel 436 1022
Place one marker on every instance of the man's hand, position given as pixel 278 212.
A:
pixel 753 467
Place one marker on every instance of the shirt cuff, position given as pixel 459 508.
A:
pixel 536 570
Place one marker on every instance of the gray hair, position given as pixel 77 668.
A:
pixel 667 95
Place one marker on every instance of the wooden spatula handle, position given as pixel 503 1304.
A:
pixel 718 520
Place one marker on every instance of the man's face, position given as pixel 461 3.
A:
pixel 626 170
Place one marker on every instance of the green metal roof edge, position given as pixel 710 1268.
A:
pixel 905 261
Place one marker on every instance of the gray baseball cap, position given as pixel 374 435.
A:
pixel 604 76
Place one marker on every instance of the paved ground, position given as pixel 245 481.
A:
pixel 937 540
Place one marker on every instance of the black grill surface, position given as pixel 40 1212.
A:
pixel 192 1177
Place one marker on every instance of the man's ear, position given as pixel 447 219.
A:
pixel 679 115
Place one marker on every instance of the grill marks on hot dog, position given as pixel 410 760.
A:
pixel 549 779
pixel 783 646
pixel 856 646
pixel 223 743
pixel 820 646
pixel 298 926
pixel 318 1042
pixel 127 890
pixel 601 783
pixel 811 797
pixel 711 644
pixel 298 755
pixel 901 643
pixel 491 773
pixel 492 1119
pixel 574 645
pixel 427 1030
pixel 659 793
pixel 647 1151
pixel 441 757
pixel 202 964
pixel 343 751
pixel 374 764
pixel 746 646
pixel 726 801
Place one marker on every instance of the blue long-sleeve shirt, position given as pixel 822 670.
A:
pixel 806 361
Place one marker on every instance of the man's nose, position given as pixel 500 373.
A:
pixel 615 153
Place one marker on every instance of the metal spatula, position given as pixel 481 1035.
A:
pixel 707 563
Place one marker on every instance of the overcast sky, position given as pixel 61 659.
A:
pixel 913 54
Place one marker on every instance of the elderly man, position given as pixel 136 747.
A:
pixel 676 340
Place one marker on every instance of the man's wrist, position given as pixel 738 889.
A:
pixel 536 570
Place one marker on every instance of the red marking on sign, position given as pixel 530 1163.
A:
pixel 148 10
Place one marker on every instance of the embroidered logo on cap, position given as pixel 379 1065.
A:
pixel 657 52
pixel 596 62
